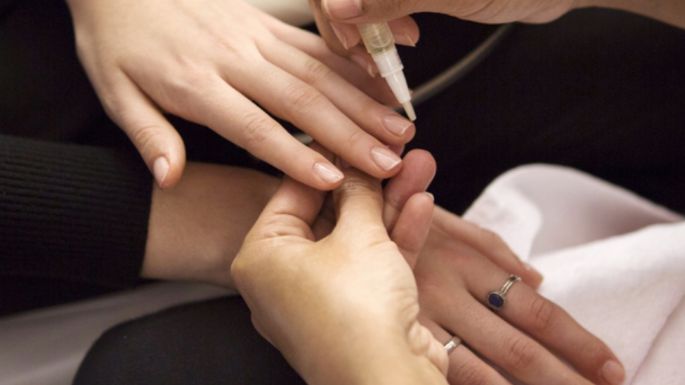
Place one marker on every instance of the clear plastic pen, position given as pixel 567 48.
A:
pixel 380 44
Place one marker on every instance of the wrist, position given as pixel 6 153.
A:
pixel 379 357
pixel 196 228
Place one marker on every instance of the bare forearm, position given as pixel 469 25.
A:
pixel 667 11
pixel 196 228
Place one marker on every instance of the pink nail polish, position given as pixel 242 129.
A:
pixel 160 169
pixel 340 35
pixel 396 124
pixel 328 173
pixel 384 158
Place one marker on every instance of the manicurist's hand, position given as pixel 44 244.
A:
pixel 223 63
pixel 341 307
pixel 336 18
pixel 528 337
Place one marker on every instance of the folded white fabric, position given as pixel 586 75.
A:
pixel 615 261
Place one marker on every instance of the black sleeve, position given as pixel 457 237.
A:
pixel 71 212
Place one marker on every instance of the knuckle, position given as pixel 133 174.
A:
pixel 356 138
pixel 302 97
pixel 192 80
pixel 147 138
pixel 522 354
pixel 595 351
pixel 466 372
pixel 256 129
pixel 315 71
pixel 489 237
pixel 543 312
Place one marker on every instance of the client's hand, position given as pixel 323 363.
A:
pixel 527 337
pixel 221 63
pixel 342 309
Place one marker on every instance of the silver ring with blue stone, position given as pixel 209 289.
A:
pixel 496 299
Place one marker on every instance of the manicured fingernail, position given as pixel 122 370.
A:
pixel 160 169
pixel 366 66
pixel 396 124
pixel 327 173
pixel 405 39
pixel 538 276
pixel 613 372
pixel 340 35
pixel 384 158
pixel 343 9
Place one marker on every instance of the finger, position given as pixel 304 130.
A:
pixel 311 44
pixel 464 367
pixel 417 172
pixel 502 344
pixel 487 243
pixel 356 11
pixel 210 101
pixel 548 323
pixel 405 32
pixel 294 100
pixel 292 210
pixel 338 44
pixel 413 226
pixel 159 144
pixel 376 119
pixel 358 203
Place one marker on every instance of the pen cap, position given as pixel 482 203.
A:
pixel 390 67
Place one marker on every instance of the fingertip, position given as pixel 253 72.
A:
pixel 168 167
pixel 387 163
pixel 612 372
pixel 329 176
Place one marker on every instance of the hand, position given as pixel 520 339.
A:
pixel 206 60
pixel 457 268
pixel 336 18
pixel 196 229
pixel 342 309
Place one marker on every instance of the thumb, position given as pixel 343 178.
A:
pixel 292 210
pixel 159 144
pixel 355 11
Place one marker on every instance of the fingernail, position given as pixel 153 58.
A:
pixel 343 9
pixel 160 168
pixel 365 64
pixel 430 195
pixel 405 39
pixel 384 158
pixel 340 35
pixel 396 124
pixel 538 276
pixel 613 372
pixel 327 173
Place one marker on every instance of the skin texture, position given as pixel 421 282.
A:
pixel 305 293
pixel 222 64
pixel 194 231
pixel 336 18
pixel 455 263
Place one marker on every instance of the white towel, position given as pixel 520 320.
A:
pixel 615 261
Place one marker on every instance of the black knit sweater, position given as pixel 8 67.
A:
pixel 71 217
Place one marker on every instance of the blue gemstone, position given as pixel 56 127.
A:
pixel 495 300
